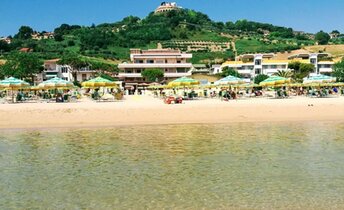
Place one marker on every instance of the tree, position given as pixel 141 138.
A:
pixel 322 37
pixel 75 61
pixel 58 37
pixel 301 70
pixel 4 47
pixel 335 32
pixel 226 71
pixel 24 33
pixel 283 73
pixel 338 71
pixel 22 65
pixel 260 78
pixel 152 75
pixel 104 68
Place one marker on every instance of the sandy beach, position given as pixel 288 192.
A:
pixel 145 110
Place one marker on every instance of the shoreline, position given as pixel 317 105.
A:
pixel 145 110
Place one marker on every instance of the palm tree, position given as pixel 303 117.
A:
pixel 284 73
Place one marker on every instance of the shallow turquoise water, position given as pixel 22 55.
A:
pixel 224 166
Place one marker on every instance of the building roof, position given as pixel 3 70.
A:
pixel 326 62
pixel 25 49
pixel 154 65
pixel 51 61
pixel 276 61
pixel 307 55
pixel 235 63
pixel 247 56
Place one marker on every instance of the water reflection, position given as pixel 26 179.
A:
pixel 246 165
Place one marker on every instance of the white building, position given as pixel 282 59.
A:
pixel 215 69
pixel 322 61
pixel 250 65
pixel 53 69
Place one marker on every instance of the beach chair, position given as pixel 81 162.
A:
pixel 106 98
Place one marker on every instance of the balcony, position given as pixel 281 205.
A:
pixel 176 75
pixel 269 71
pixel 130 75
pixel 86 70
pixel 51 70
pixel 167 75
pixel 154 65
pixel 245 71
pixel 325 70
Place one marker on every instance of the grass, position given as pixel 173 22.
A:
pixel 208 36
pixel 207 57
pixel 335 50
pixel 102 60
pixel 256 46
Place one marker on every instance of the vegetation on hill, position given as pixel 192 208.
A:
pixel 112 41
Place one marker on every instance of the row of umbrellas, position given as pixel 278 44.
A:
pixel 12 84
pixel 55 83
pixel 271 81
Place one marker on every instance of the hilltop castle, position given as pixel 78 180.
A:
pixel 167 6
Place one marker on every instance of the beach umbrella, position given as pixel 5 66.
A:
pixel 337 84
pixel 274 80
pixel 98 82
pixel 229 80
pixel 296 85
pixel 12 83
pixel 55 83
pixel 183 81
pixel 319 78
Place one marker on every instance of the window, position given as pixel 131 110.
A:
pixel 258 62
pixel 128 71
pixel 84 77
pixel 138 71
pixel 65 78
pixel 258 71
pixel 313 60
pixel 178 61
pixel 150 61
pixel 64 69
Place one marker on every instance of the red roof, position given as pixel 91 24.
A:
pixel 25 49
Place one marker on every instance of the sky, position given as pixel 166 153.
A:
pixel 45 15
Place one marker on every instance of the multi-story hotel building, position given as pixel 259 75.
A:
pixel 322 61
pixel 250 65
pixel 53 69
pixel 173 63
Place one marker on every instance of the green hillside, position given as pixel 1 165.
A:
pixel 175 29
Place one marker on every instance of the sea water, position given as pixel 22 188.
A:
pixel 222 166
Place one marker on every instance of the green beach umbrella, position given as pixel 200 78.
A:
pixel 98 82
pixel 274 80
pixel 183 81
pixel 229 80
pixel 319 78
pixel 55 83
pixel 12 83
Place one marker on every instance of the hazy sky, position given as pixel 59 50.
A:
pixel 303 15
